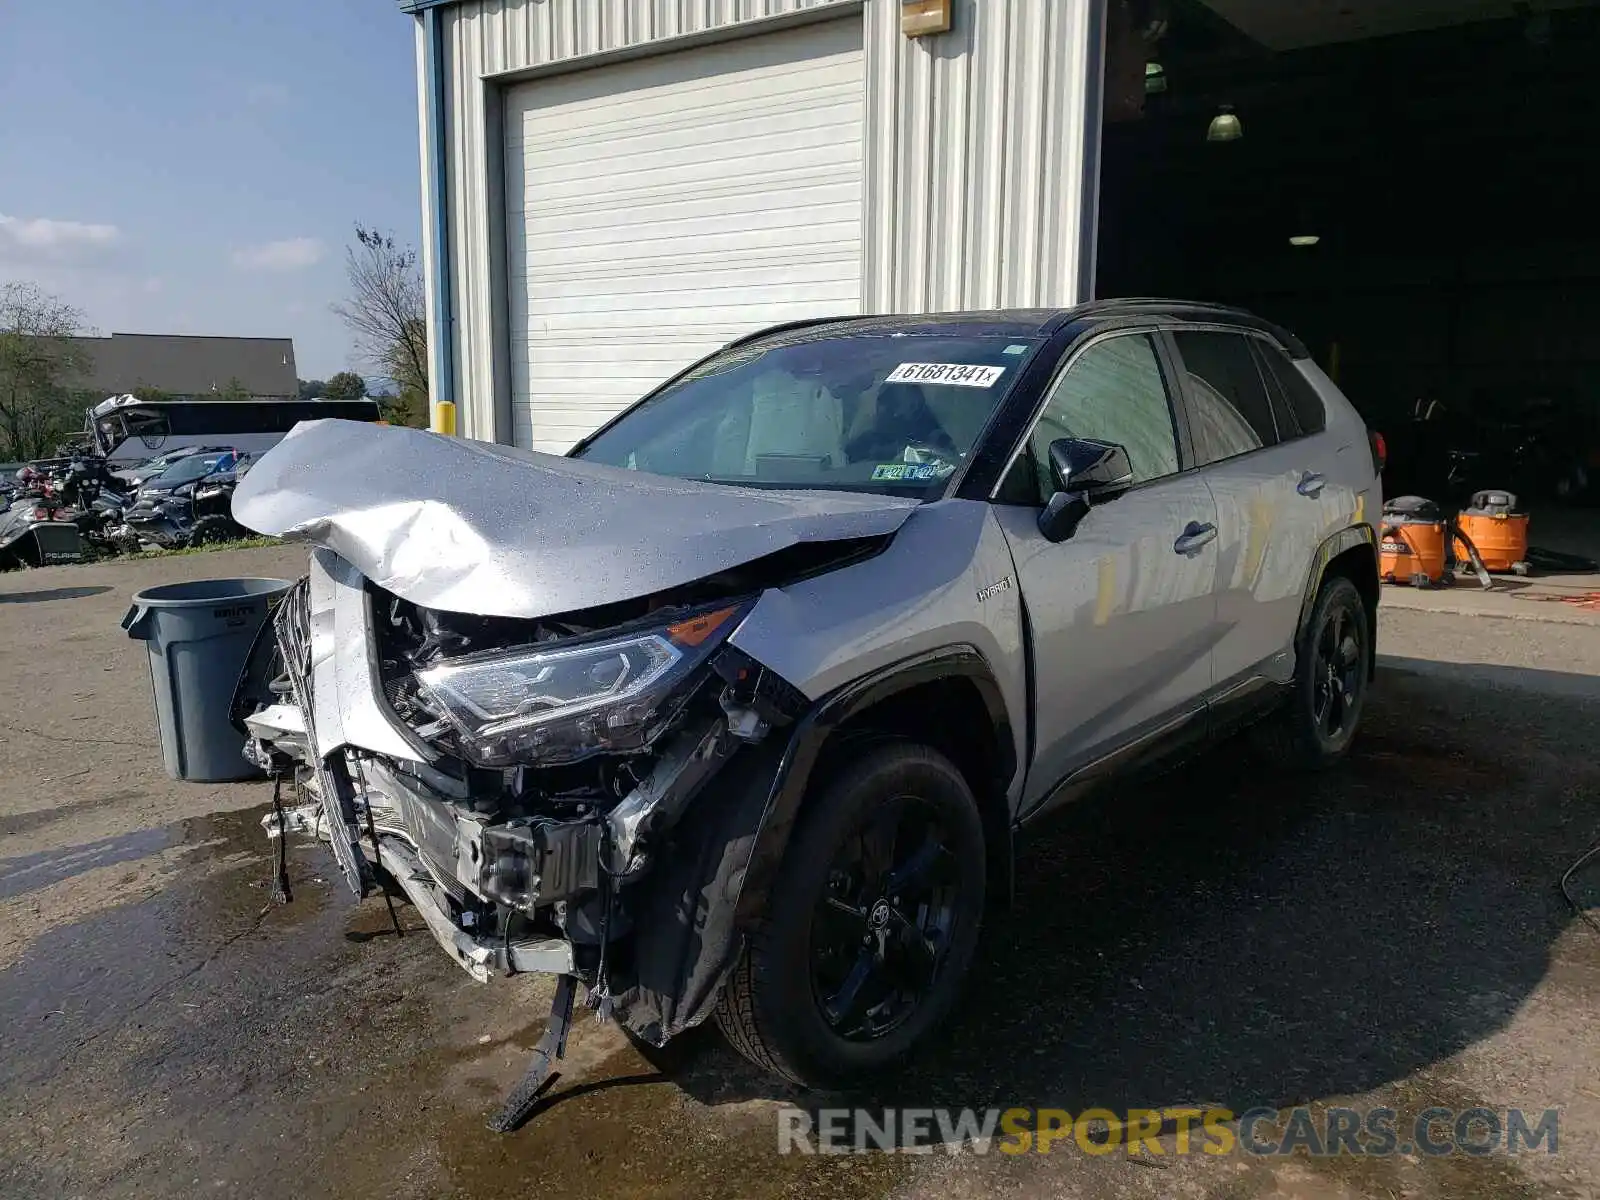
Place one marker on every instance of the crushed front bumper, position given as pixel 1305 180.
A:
pixel 482 958
pixel 436 851
pixel 628 883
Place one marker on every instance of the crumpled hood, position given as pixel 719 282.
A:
pixel 470 527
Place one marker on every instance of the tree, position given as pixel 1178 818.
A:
pixel 385 310
pixel 151 395
pixel 346 385
pixel 235 390
pixel 38 360
pixel 311 389
pixel 410 407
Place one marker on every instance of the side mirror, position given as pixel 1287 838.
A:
pixel 1085 472
pixel 1098 469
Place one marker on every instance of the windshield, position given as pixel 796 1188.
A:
pixel 187 470
pixel 892 413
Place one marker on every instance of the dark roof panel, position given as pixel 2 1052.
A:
pixel 182 365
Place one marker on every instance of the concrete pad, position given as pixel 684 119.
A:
pixel 1564 599
pixel 1383 936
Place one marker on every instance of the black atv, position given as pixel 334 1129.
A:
pixel 36 528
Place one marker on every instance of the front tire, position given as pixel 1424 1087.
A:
pixel 873 924
pixel 1318 722
pixel 211 531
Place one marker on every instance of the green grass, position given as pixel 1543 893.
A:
pixel 249 543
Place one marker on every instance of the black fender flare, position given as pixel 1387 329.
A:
pixel 1349 538
pixel 812 732
pixel 696 909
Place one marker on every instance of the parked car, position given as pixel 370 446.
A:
pixel 164 513
pixel 738 710
pixel 152 467
pixel 187 470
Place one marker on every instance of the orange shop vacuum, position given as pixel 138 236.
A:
pixel 1417 545
pixel 1497 530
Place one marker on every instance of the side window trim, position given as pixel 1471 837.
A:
pixel 1165 361
pixel 1177 397
pixel 1269 389
pixel 1277 403
pixel 1265 349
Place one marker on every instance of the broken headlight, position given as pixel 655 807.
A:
pixel 563 702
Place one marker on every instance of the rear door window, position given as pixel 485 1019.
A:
pixel 1298 393
pixel 1229 410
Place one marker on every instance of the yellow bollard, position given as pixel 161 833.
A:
pixel 444 417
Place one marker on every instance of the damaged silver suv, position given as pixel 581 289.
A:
pixel 737 709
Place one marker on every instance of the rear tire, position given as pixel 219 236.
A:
pixel 1317 724
pixel 856 963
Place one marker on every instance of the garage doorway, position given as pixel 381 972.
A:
pixel 1406 184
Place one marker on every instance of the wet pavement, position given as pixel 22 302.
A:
pixel 1386 934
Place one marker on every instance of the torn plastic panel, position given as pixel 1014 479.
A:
pixel 574 853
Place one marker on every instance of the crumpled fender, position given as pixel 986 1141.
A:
pixel 711 886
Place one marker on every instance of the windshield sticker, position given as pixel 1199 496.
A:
pixel 926 454
pixel 909 472
pixel 950 374
pixel 1016 349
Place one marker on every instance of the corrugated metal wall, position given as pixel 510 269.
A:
pixel 976 150
pixel 516 34
pixel 975 156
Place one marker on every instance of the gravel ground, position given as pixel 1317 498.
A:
pixel 1388 934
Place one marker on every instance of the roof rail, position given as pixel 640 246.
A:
pixel 1195 310
pixel 785 327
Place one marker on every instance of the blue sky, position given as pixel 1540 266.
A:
pixel 196 166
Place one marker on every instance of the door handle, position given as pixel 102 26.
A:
pixel 1194 537
pixel 1311 484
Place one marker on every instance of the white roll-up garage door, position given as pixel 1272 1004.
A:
pixel 659 207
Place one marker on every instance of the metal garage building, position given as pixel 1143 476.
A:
pixel 615 187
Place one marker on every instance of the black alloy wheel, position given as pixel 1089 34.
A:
pixel 1338 675
pixel 1322 709
pixel 881 933
pixel 871 925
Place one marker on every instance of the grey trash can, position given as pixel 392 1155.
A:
pixel 199 635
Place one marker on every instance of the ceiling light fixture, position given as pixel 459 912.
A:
pixel 1225 126
pixel 1304 239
